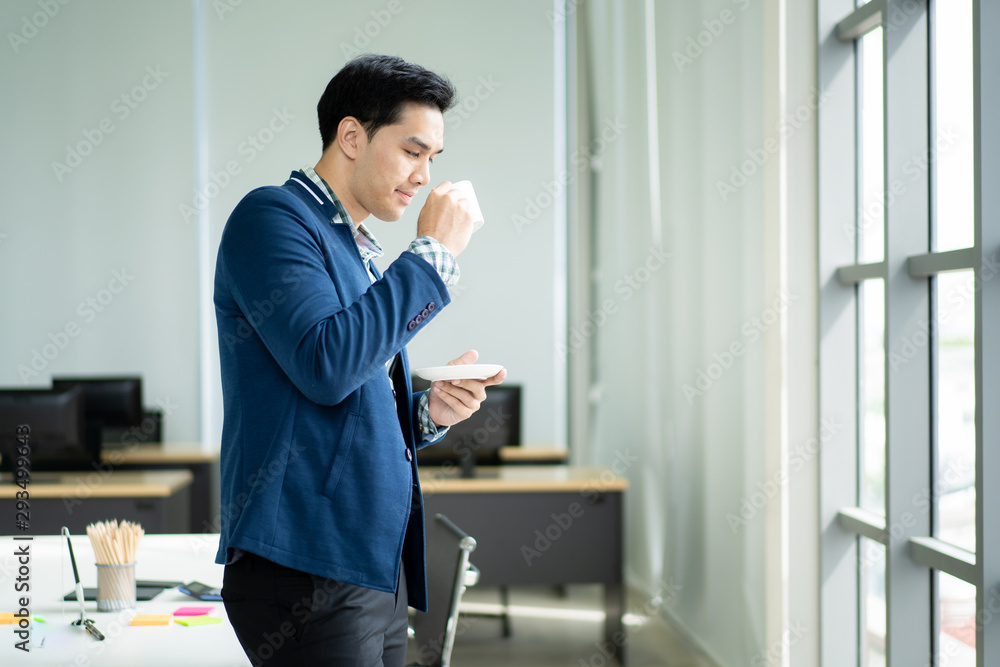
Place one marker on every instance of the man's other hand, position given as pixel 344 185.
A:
pixel 452 401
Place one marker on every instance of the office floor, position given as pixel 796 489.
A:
pixel 549 630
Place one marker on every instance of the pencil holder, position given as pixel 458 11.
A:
pixel 115 587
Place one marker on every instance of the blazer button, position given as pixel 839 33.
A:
pixel 431 306
pixel 409 456
pixel 425 313
pixel 411 326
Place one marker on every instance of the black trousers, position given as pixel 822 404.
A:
pixel 285 617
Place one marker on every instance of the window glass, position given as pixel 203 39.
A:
pixel 872 582
pixel 871 150
pixel 872 395
pixel 956 610
pixel 951 150
pixel 955 384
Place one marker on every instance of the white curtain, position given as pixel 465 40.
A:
pixel 667 365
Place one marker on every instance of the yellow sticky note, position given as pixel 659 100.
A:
pixel 197 620
pixel 7 618
pixel 150 619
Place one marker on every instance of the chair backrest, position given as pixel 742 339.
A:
pixel 448 549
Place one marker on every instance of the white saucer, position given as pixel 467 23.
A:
pixel 459 372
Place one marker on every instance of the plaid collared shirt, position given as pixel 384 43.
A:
pixel 429 248
pixel 426 247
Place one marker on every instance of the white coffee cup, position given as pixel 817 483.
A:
pixel 467 192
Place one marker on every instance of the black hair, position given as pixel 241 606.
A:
pixel 373 89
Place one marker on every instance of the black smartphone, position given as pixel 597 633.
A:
pixel 196 589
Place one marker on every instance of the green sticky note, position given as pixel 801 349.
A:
pixel 197 620
pixel 40 619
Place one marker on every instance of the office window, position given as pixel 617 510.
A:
pixel 871 390
pixel 871 170
pixel 955 391
pixel 872 581
pixel 909 249
pixel 952 192
pixel 956 616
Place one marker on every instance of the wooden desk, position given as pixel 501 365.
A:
pixel 532 455
pixel 159 500
pixel 548 525
pixel 203 466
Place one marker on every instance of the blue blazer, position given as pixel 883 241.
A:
pixel 318 463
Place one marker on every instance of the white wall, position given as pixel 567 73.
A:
pixel 499 136
pixel 132 203
pixel 803 343
pixel 67 231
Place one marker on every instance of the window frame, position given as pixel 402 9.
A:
pixel 907 269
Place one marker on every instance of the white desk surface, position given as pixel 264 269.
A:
pixel 160 557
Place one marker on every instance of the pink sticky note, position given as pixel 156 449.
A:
pixel 193 611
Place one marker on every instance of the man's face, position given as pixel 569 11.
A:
pixel 395 163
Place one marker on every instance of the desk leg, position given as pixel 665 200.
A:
pixel 614 629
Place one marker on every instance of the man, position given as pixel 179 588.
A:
pixel 322 522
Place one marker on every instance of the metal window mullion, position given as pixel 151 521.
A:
pixel 838 465
pixel 932 119
pixel 858 273
pixel 863 522
pixel 986 133
pixel 864 19
pixel 939 555
pixel 907 372
pixel 933 263
pixel 934 333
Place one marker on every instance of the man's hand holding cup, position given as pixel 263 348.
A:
pixel 451 214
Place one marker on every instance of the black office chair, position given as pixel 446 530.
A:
pixel 448 574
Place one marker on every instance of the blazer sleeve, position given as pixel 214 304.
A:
pixel 327 342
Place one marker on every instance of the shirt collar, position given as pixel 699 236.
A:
pixel 367 243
